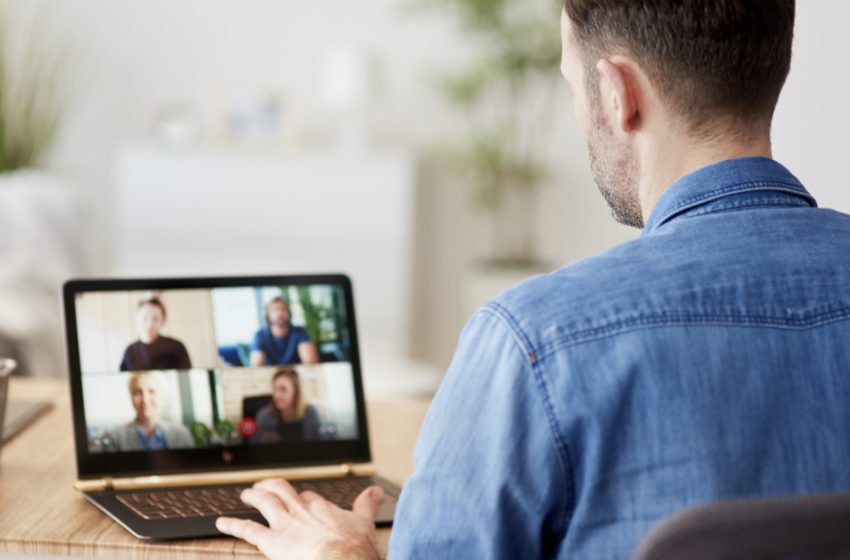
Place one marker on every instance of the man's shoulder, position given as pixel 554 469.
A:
pixel 587 297
pixel 574 296
pixel 575 285
pixel 122 435
pixel 122 429
pixel 690 269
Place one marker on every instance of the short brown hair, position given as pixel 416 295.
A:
pixel 713 60
pixel 276 299
pixel 156 302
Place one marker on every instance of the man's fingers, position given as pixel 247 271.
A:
pixel 284 491
pixel 368 502
pixel 270 505
pixel 317 505
pixel 244 529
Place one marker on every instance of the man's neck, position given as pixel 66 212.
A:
pixel 665 166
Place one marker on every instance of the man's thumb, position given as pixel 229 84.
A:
pixel 368 502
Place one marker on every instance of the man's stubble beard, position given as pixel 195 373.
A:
pixel 615 169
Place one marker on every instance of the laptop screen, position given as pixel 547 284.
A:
pixel 173 376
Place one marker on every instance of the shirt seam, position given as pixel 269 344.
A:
pixel 500 312
pixel 659 321
pixel 504 316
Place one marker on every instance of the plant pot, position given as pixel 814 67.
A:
pixel 512 220
pixel 486 280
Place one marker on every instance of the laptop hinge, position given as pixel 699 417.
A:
pixel 232 477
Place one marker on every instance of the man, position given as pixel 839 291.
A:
pixel 147 431
pixel 706 359
pixel 153 350
pixel 280 343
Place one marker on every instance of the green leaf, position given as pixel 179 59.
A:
pixel 467 87
pixel 29 105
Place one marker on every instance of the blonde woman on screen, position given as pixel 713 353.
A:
pixel 147 431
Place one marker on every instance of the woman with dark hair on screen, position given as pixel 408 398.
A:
pixel 289 417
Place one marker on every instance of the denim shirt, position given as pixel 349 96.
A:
pixel 710 358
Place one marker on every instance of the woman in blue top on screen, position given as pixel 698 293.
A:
pixel 279 342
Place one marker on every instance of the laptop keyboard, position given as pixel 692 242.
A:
pixel 224 500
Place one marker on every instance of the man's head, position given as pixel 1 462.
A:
pixel 150 318
pixel 277 313
pixel 705 71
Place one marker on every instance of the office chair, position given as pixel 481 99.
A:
pixel 797 528
pixel 252 405
pixel 235 354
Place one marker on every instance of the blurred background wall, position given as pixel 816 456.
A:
pixel 155 97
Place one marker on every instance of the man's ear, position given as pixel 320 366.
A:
pixel 618 94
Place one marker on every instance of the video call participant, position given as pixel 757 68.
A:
pixel 289 417
pixel 152 350
pixel 147 431
pixel 279 342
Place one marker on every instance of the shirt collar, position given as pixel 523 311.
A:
pixel 724 179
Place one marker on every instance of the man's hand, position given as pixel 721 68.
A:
pixel 306 525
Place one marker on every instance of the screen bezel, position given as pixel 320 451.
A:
pixel 230 458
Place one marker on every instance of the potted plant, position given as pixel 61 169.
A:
pixel 505 99
pixel 37 209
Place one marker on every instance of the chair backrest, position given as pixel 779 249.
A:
pixel 795 528
pixel 252 405
pixel 232 355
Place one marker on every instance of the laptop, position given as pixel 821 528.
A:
pixel 186 391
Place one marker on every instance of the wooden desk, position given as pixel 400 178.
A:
pixel 41 513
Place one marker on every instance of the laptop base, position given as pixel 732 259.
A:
pixel 112 504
